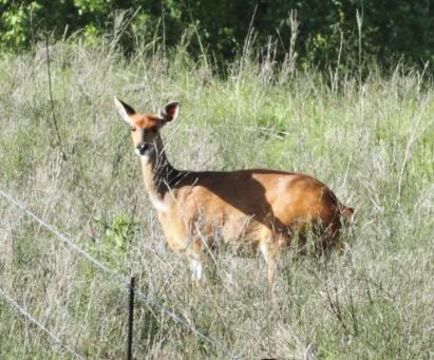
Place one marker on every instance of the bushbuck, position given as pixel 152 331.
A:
pixel 263 209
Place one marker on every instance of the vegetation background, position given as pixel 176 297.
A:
pixel 341 90
pixel 392 30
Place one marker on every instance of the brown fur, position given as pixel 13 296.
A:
pixel 260 208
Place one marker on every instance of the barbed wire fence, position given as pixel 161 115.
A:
pixel 24 313
pixel 122 282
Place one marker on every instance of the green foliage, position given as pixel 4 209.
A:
pixel 273 119
pixel 15 20
pixel 119 235
pixel 388 32
pixel 115 240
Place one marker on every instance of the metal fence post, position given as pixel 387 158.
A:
pixel 130 321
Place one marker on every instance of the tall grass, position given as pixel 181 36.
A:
pixel 371 141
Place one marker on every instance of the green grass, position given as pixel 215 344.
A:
pixel 371 142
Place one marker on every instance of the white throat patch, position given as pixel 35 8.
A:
pixel 143 158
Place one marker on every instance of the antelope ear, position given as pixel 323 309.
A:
pixel 170 111
pixel 124 110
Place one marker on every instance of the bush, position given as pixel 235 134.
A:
pixel 404 30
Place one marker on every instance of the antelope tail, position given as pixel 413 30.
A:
pixel 347 214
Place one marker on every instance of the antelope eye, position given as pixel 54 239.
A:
pixel 133 128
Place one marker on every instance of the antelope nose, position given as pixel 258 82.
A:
pixel 141 148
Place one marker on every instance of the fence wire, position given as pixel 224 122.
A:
pixel 56 340
pixel 122 281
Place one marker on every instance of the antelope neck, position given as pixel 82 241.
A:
pixel 158 173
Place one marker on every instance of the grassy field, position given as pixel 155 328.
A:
pixel 68 158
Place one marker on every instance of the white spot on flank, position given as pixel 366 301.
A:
pixel 158 204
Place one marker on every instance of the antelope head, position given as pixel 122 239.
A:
pixel 145 128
